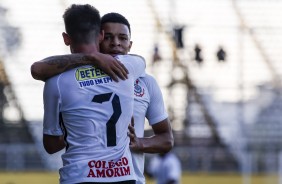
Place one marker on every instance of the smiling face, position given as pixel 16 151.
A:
pixel 116 39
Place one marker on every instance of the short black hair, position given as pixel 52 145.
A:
pixel 82 23
pixel 115 18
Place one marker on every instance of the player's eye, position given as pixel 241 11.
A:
pixel 108 37
pixel 123 38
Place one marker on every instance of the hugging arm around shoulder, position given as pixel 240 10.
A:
pixel 53 65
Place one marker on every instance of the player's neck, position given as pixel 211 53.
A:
pixel 85 48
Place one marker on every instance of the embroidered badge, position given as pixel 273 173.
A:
pixel 138 90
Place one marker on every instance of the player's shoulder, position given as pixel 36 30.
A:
pixel 51 85
pixel 147 78
pixel 129 57
pixel 53 79
pixel 136 55
pixel 67 75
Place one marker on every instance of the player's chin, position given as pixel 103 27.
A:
pixel 116 52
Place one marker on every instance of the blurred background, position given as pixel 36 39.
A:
pixel 218 63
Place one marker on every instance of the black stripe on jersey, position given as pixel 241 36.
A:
pixel 62 125
pixel 102 98
pixel 111 124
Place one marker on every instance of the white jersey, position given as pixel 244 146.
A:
pixel 148 102
pixel 93 113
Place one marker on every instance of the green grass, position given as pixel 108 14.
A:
pixel 29 178
pixel 187 178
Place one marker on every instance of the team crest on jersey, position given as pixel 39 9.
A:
pixel 91 76
pixel 138 90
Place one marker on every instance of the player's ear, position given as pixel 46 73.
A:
pixel 130 45
pixel 66 38
pixel 101 36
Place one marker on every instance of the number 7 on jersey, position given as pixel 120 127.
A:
pixel 111 124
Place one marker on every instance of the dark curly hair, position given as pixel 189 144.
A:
pixel 82 23
pixel 115 18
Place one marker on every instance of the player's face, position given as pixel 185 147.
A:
pixel 116 39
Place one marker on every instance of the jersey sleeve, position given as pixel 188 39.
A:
pixel 51 100
pixel 135 64
pixel 156 111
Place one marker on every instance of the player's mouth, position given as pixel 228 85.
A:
pixel 116 52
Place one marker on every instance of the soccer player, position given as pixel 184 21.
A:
pixel 148 98
pixel 165 168
pixel 87 113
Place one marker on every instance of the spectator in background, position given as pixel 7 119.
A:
pixel 198 54
pixel 221 54
pixel 156 54
pixel 3 101
pixel 178 36
pixel 165 168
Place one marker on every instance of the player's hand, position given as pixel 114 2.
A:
pixel 114 68
pixel 135 143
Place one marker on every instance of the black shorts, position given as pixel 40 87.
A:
pixel 119 182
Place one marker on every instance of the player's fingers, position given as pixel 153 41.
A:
pixel 131 129
pixel 132 121
pixel 123 68
pixel 120 74
pixel 131 136
pixel 113 76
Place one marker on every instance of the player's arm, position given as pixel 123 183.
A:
pixel 53 144
pixel 53 140
pixel 162 141
pixel 51 66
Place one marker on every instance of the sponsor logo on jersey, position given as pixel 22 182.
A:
pixel 82 74
pixel 108 169
pixel 138 90
pixel 91 76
